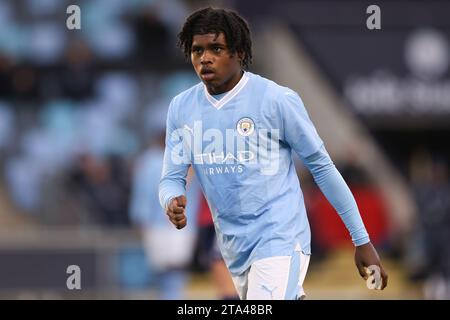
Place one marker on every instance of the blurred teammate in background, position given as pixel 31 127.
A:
pixel 167 258
pixel 237 130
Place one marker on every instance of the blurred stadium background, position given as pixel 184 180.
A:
pixel 78 108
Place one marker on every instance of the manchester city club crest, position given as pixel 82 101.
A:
pixel 245 127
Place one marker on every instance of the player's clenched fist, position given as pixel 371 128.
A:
pixel 176 211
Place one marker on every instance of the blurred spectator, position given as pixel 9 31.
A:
pixel 24 80
pixel 77 77
pixel 6 66
pixel 103 183
pixel 153 40
pixel 431 188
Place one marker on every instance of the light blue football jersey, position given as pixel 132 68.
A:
pixel 241 150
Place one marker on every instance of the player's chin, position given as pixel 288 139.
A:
pixel 210 82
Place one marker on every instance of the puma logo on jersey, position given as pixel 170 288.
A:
pixel 189 129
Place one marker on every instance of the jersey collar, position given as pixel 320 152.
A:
pixel 230 94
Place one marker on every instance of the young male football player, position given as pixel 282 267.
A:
pixel 238 129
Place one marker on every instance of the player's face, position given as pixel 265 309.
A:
pixel 217 67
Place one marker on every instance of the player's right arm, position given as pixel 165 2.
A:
pixel 172 186
pixel 176 211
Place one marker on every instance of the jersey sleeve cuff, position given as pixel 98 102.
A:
pixel 361 241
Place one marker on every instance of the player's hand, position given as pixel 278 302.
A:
pixel 365 256
pixel 177 212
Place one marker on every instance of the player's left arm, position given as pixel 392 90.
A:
pixel 300 133
pixel 336 190
pixel 365 256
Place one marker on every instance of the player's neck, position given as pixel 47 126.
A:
pixel 227 86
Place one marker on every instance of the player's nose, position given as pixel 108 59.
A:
pixel 206 57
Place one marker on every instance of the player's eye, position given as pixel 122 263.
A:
pixel 217 49
pixel 197 50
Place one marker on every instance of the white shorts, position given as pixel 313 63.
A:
pixel 167 247
pixel 274 278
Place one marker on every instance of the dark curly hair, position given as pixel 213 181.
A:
pixel 209 20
